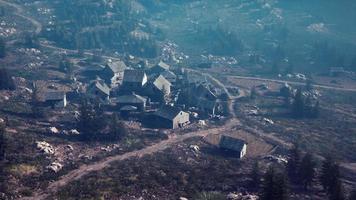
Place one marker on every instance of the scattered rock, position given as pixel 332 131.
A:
pixel 239 196
pixel 202 123
pixel 74 132
pixel 55 167
pixel 268 121
pixel 45 147
pixel 53 130
pixel 70 147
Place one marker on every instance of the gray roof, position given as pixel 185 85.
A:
pixel 132 98
pixel 117 66
pixel 161 83
pixel 163 65
pixel 168 74
pixel 231 143
pixel 160 67
pixel 128 108
pixel 168 112
pixel 134 75
pixel 54 95
pixel 101 85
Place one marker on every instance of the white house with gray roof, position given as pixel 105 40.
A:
pixel 234 145
pixel 134 80
pixel 170 117
pixel 113 73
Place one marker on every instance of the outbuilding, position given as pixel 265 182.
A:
pixel 170 117
pixel 234 145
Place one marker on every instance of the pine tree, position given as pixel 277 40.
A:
pixel 307 170
pixel 6 81
pixel 337 192
pixel 267 185
pixel 330 175
pixel 36 109
pixel 91 120
pixel 352 195
pixel 2 48
pixel 2 142
pixel 253 93
pixel 294 163
pixel 255 175
pixel 118 129
pixel 274 186
pixel 298 104
pixel 316 110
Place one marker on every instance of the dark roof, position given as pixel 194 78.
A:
pixel 117 66
pixel 168 112
pixel 54 95
pixel 231 143
pixel 132 98
pixel 133 75
pixel 203 91
pixel 161 82
pixel 101 85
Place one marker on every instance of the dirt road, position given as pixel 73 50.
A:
pixel 294 83
pixel 97 166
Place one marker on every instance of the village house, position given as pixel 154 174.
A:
pixel 170 117
pixel 134 101
pixel 55 99
pixel 159 68
pixel 206 100
pixel 170 76
pixel 134 80
pixel 99 90
pixel 158 89
pixel 113 73
pixel 233 145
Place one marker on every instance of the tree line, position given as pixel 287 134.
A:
pixel 301 170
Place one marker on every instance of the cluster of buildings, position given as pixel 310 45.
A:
pixel 165 97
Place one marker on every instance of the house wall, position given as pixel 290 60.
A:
pixel 180 120
pixel 243 151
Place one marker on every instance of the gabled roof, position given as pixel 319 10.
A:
pixel 117 66
pixel 160 67
pixel 160 83
pixel 163 65
pixel 101 85
pixel 134 75
pixel 54 95
pixel 231 143
pixel 168 74
pixel 128 108
pixel 132 98
pixel 168 112
pixel 203 91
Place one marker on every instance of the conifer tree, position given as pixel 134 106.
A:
pixel 307 170
pixel 294 163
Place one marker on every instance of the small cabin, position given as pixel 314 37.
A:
pixel 233 145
